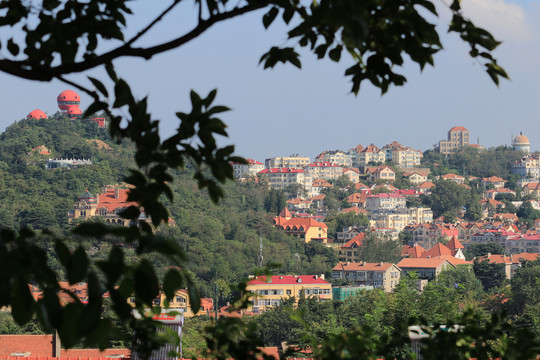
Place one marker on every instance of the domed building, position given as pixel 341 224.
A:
pixel 36 115
pixel 521 143
pixel 68 102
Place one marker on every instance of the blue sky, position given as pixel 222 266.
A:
pixel 285 110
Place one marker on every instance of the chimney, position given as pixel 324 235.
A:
pixel 56 345
pixel 321 276
pixel 116 193
pixel 488 255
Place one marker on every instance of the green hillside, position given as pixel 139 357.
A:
pixel 222 242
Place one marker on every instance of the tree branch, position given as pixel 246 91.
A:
pixel 26 70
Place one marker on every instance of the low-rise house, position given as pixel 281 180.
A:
pixel 350 251
pixel 458 179
pixel 347 233
pixel 378 275
pixel 428 235
pixel 466 229
pixel 319 185
pixel 357 199
pixel 416 178
pixel 355 210
pixel 507 218
pixel 412 251
pixel 298 204
pixel 247 170
pixel 496 181
pixel 362 188
pixel 491 194
pixel 181 302
pixel 493 205
pixel 269 292
pixel 305 228
pixel 382 172
pixel 353 174
pixel 427 269
pixel 385 201
pixel 426 187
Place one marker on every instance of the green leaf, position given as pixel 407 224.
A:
pixel 21 306
pixel 99 85
pixel 173 281
pixel 12 47
pixel 270 16
pixel 131 212
pixel 146 282
pixel 77 266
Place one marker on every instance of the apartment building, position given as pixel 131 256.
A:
pixel 271 291
pixel 378 275
pixel 385 201
pixel 287 162
pixel 338 157
pixel 324 170
pixel 426 269
pixel 280 178
pixel 247 170
pixel 458 137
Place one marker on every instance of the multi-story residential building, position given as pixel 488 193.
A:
pixel 294 161
pixel 180 302
pixel 379 275
pixel 406 157
pixel 385 201
pixel 271 292
pixel 527 167
pixel 371 154
pixel 347 233
pixel 108 206
pixel 303 228
pixel 382 172
pixel 357 199
pixel 465 230
pixel 400 218
pixel 247 170
pixel 324 170
pixel 335 157
pixel 428 235
pixel 532 189
pixel 458 137
pixel 427 269
pixel 350 251
pixel 319 185
pixel 523 244
pixel 491 194
pixel 280 178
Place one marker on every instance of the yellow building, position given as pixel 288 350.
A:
pixel 306 229
pixel 383 276
pixel 271 292
pixel 181 302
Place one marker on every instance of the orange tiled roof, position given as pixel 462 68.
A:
pixel 321 183
pixel 414 251
pixel 111 202
pixel 454 244
pixel 427 185
pixel 458 128
pixel 493 179
pixel 354 209
pixel 437 250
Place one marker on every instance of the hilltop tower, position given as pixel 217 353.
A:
pixel 68 102
pixel 521 143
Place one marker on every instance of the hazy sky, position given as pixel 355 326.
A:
pixel 285 110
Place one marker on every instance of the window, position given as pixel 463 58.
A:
pixel 288 292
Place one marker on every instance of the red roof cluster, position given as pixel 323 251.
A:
pixel 288 279
pixel 280 170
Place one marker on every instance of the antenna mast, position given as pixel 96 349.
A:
pixel 260 251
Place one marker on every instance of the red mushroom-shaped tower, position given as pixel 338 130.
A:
pixel 68 102
pixel 36 114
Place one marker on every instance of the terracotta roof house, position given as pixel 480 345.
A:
pixel 378 275
pixel 412 251
pixel 305 228
pixel 453 177
pixel 425 268
pixel 493 180
pixel 349 252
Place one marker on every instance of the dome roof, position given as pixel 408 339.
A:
pixel 68 95
pixel 521 140
pixel 86 196
pixel 74 110
pixel 36 114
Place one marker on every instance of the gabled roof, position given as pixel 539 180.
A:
pixel 438 250
pixel 354 209
pixel 426 185
pixel 355 241
pixel 356 198
pixel 321 183
pixel 452 176
pixel 458 128
pixel 413 251
pixel 113 199
pixel 454 244
pixel 493 179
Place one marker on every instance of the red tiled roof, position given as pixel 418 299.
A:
pixel 254 162
pixel 427 185
pixel 111 202
pixel 458 128
pixel 454 244
pixel 35 345
pixel 452 176
pixel 354 209
pixel 493 179
pixel 321 183
pixel 285 213
pixel 288 279
pixel 96 353
pixel 413 251
pixel 437 250
pixel 357 240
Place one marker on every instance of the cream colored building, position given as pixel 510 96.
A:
pixel 335 157
pixel 379 275
pixel 287 162
pixel 458 137
pixel 400 218
pixel 406 157
pixel 416 178
pixel 247 170
pixel 280 178
pixel 385 201
pixel 370 154
pixel 180 302
pixel 271 292
pixel 324 170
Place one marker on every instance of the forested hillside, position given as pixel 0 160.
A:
pixel 222 242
